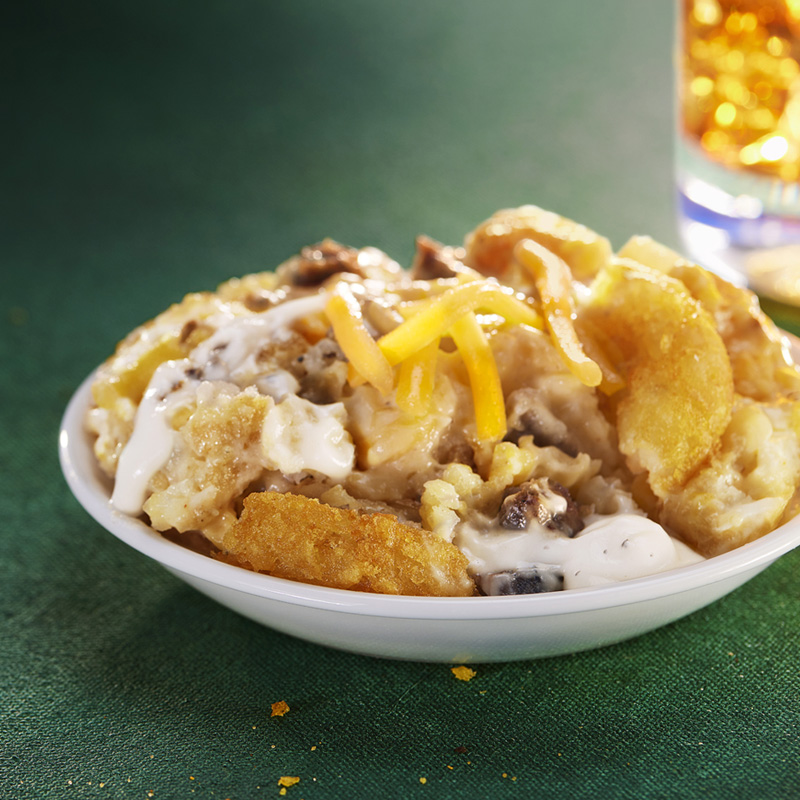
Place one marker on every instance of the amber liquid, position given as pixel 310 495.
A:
pixel 739 89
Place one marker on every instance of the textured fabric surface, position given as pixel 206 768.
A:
pixel 152 149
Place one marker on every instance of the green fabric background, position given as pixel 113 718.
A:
pixel 150 149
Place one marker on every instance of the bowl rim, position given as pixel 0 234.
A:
pixel 90 488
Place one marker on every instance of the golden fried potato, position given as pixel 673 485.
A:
pixel 745 489
pixel 762 366
pixel 121 381
pixel 679 393
pixel 490 247
pixel 218 453
pixel 758 351
pixel 299 538
pixel 172 334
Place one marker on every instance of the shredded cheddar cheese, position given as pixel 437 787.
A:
pixel 553 281
pixel 416 379
pixel 437 315
pixel 356 342
pixel 413 346
pixel 487 393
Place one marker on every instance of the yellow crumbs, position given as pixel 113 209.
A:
pixel 463 673
pixel 288 780
pixel 280 708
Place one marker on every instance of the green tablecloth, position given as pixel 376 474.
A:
pixel 151 149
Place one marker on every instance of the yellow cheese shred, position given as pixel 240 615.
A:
pixel 437 316
pixel 416 378
pixel 553 281
pixel 413 346
pixel 487 392
pixel 361 350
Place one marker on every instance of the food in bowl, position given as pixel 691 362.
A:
pixel 530 412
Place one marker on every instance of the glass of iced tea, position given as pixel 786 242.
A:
pixel 738 140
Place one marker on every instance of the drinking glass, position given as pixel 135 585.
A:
pixel 738 140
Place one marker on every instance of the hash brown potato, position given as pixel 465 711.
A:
pixel 299 538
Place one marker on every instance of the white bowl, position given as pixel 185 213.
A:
pixel 462 630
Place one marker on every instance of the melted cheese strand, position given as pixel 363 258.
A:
pixel 553 281
pixel 357 344
pixel 416 378
pixel 612 381
pixel 487 393
pixel 437 315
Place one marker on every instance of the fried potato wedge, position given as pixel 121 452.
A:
pixel 490 247
pixel 299 538
pixel 679 393
pixel 758 351
pixel 745 489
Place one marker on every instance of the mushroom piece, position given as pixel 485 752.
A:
pixel 316 263
pixel 523 581
pixel 544 501
pixel 433 260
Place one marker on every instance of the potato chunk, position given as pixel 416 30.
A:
pixel 299 538
pixel 745 489
pixel 759 353
pixel 679 396
pixel 490 247
pixel 217 453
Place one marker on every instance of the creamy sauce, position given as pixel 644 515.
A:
pixel 150 446
pixel 231 353
pixel 278 385
pixel 610 548
pixel 227 355
pixel 298 435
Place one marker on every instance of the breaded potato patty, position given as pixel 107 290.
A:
pixel 299 538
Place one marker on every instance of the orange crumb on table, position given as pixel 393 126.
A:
pixel 280 708
pixel 463 673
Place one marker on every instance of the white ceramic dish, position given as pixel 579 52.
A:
pixel 462 630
